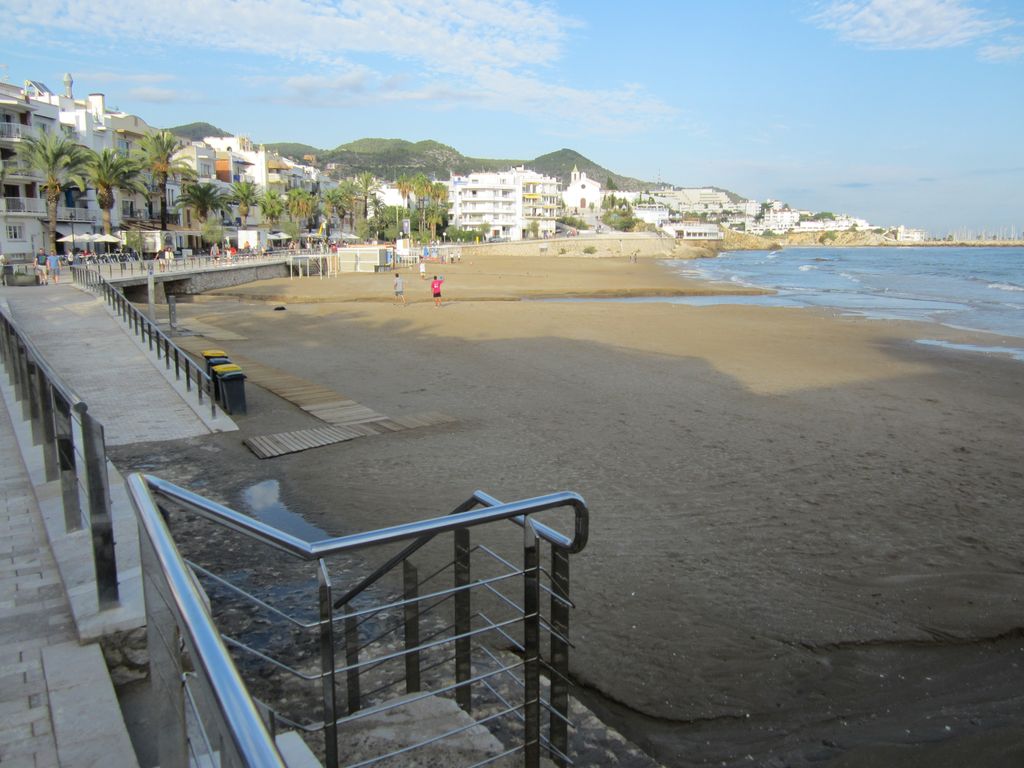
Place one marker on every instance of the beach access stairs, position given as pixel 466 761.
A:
pixel 443 641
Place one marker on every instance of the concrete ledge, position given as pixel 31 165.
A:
pixel 87 722
pixel 73 551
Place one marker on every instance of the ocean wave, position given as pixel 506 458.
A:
pixel 1006 287
pixel 806 267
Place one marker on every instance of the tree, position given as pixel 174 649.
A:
pixel 367 185
pixel 156 154
pixel 271 206
pixel 534 229
pixel 421 187
pixel 301 205
pixel 109 171
pixel 245 195
pixel 204 198
pixel 62 163
pixel 335 203
pixel 404 186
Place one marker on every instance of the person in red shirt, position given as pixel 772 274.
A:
pixel 435 288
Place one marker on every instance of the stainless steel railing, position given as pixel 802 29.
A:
pixel 73 448
pixel 394 639
pixel 149 333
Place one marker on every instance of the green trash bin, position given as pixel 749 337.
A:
pixel 229 386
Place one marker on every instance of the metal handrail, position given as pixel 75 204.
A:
pixel 249 735
pixel 143 325
pixel 58 383
pixel 517 511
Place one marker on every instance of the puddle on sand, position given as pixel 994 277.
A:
pixel 264 502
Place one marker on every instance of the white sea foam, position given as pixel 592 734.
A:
pixel 1006 287
pixel 807 267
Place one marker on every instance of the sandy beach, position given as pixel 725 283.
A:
pixel 805 542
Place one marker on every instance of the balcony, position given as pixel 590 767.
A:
pixel 14 169
pixel 34 206
pixel 17 131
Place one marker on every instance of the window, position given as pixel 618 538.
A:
pixel 15 232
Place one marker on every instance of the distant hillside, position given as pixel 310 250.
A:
pixel 390 158
pixel 197 131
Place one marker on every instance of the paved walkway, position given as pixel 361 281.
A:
pixel 34 614
pixel 93 353
pixel 44 673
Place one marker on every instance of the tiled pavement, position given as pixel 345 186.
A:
pixel 34 614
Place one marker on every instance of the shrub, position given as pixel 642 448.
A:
pixel 590 250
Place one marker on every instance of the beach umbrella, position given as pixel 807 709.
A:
pixel 68 238
pixel 278 236
pixel 105 239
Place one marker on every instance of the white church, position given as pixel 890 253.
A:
pixel 581 192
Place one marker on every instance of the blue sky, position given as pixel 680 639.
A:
pixel 899 111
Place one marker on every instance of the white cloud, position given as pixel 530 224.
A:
pixel 1008 49
pixel 124 77
pixel 157 95
pixel 907 24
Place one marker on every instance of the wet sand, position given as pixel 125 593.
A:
pixel 805 540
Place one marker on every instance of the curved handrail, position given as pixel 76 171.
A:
pixel 247 730
pixel 517 511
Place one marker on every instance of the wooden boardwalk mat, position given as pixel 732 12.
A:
pixel 344 419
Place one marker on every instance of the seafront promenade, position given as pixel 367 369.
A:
pixel 57 703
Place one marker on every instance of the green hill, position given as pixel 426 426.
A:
pixel 197 131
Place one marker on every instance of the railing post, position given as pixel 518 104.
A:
pixel 531 645
pixel 352 659
pixel 411 589
pixel 463 621
pixel 89 440
pixel 46 428
pixel 64 450
pixel 327 667
pixel 558 727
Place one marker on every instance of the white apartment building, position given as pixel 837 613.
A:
pixel 910 235
pixel 238 159
pixel 507 202
pixel 27 112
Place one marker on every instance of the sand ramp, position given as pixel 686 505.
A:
pixel 345 419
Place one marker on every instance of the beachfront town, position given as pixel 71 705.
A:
pixel 190 195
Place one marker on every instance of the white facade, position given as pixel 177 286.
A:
pixel 651 213
pixel 28 112
pixel 582 193
pixel 506 202
pixel 909 235
pixel 694 230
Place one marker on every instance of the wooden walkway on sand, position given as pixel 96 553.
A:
pixel 345 419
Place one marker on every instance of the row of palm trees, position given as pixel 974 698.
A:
pixel 65 164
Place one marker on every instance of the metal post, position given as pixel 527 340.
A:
pixel 531 646
pixel 89 440
pixel 352 659
pixel 559 726
pixel 49 441
pixel 35 379
pixel 463 622
pixel 64 447
pixel 172 310
pixel 327 667
pixel 411 588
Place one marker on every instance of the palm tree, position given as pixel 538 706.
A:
pixel 422 187
pixel 109 171
pixel 271 206
pixel 404 186
pixel 62 163
pixel 204 198
pixel 439 196
pixel 245 195
pixel 156 155
pixel 367 185
pixel 336 203
pixel 301 204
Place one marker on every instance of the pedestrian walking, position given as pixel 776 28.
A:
pixel 399 289
pixel 423 269
pixel 53 267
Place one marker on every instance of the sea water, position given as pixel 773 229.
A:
pixel 979 289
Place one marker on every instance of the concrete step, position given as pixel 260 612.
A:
pixel 87 722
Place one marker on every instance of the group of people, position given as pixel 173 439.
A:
pixel 435 288
pixel 47 266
